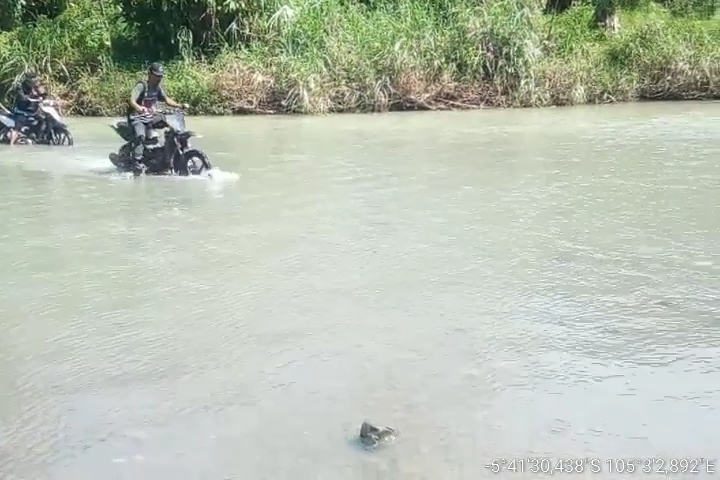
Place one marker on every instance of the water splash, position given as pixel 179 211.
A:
pixel 217 175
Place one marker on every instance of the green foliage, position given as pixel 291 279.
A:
pixel 171 27
pixel 664 42
pixel 11 12
pixel 76 42
pixel 14 13
pixel 692 8
pixel 341 55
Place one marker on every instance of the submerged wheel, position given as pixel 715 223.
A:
pixel 193 162
pixel 62 137
pixel 125 151
pixel 123 159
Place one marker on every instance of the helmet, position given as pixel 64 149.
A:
pixel 29 81
pixel 156 69
pixel 30 78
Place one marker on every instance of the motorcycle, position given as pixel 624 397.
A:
pixel 47 128
pixel 173 156
pixel 6 124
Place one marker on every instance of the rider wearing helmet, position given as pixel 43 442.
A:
pixel 26 105
pixel 143 99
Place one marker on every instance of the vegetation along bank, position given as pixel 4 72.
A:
pixel 318 56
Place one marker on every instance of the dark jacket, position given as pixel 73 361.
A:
pixel 146 96
pixel 25 95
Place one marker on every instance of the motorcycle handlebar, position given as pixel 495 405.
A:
pixel 163 111
pixel 159 114
pixel 159 118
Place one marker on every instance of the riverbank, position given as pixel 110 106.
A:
pixel 339 57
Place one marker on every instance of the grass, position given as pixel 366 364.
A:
pixel 321 56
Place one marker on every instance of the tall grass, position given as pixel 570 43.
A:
pixel 317 56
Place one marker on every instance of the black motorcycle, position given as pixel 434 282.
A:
pixel 171 157
pixel 45 128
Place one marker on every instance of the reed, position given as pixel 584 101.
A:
pixel 321 56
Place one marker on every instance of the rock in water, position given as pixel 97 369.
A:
pixel 372 436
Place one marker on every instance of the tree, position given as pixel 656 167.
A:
pixel 605 15
pixel 14 13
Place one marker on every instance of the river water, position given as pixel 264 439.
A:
pixel 495 285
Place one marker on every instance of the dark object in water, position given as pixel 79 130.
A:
pixel 372 436
pixel 49 128
pixel 172 156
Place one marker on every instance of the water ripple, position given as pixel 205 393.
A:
pixel 491 290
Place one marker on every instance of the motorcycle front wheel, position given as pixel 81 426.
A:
pixel 61 136
pixel 192 162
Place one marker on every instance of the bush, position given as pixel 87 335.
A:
pixel 313 56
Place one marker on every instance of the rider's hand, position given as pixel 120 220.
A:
pixel 185 106
pixel 143 110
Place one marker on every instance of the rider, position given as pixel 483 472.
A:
pixel 143 99
pixel 26 104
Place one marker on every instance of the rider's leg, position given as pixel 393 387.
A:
pixel 20 121
pixel 40 122
pixel 139 128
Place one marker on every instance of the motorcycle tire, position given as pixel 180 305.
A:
pixel 61 136
pixel 198 159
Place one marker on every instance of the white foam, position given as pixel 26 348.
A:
pixel 217 175
pixel 214 176
pixel 74 161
